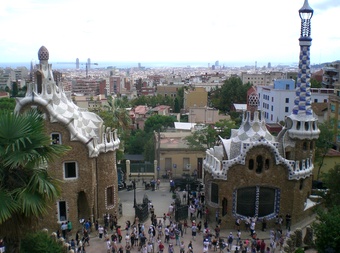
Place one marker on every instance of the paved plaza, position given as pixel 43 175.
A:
pixel 161 199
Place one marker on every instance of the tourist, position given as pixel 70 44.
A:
pixel 171 248
pixel 182 247
pixel 160 247
pixel 100 231
pixel 230 240
pixel 127 249
pixel 185 226
pixel 108 245
pixel 193 231
pixel 262 246
pixel 190 248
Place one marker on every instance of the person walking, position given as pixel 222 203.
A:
pixel 108 245
pixel 194 231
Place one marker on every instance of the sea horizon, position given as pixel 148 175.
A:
pixel 122 65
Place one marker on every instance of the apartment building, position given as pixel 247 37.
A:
pixel 89 87
pixel 262 78
pixel 331 74
pixel 277 101
pixel 196 97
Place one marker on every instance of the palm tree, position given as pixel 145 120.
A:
pixel 26 189
pixel 117 117
pixel 121 119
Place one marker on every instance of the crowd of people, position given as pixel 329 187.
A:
pixel 164 234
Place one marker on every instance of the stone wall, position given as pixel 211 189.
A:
pixel 292 197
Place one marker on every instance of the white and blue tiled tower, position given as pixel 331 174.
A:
pixel 302 124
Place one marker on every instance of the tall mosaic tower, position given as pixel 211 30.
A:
pixel 302 123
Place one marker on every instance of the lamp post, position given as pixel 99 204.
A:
pixel 134 193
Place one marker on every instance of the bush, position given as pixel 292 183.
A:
pixel 40 242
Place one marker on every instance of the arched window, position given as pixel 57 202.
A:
pixel 301 184
pixel 306 126
pixel 251 164
pixel 214 193
pixel 298 125
pixel 259 164
pixel 267 164
pixel 39 82
pixel 304 146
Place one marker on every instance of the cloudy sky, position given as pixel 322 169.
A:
pixel 166 31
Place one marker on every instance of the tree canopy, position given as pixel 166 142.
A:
pixel 331 180
pixel 7 104
pixel 207 137
pixel 232 91
pixel 326 230
pixel 327 224
pixel 117 117
pixel 323 144
pixel 158 122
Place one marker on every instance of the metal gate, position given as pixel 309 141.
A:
pixel 181 211
pixel 142 210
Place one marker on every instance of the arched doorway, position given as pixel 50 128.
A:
pixel 224 206
pixel 84 211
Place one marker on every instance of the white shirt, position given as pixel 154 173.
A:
pixel 108 244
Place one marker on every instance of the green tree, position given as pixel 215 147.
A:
pixel 315 83
pixel 149 149
pixel 117 117
pixel 7 104
pixel 40 242
pixel 177 108
pixel 180 99
pixel 324 143
pixel 331 180
pixel 15 89
pixel 202 139
pixel 223 128
pixel 141 100
pixel 326 229
pixel 26 189
pixel 158 122
pixel 232 91
pixel 136 142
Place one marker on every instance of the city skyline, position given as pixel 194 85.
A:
pixel 163 31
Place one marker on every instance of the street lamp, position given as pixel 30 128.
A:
pixel 134 193
pixel 306 13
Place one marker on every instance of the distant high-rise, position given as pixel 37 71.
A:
pixel 139 65
pixel 77 63
pixel 88 63
pixel 217 64
pixel 269 65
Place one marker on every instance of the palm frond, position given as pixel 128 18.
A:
pixel 7 207
pixel 44 184
pixel 32 203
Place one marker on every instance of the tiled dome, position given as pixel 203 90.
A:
pixel 43 54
